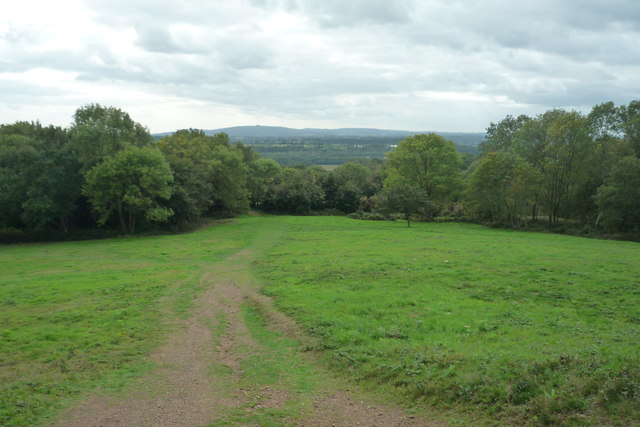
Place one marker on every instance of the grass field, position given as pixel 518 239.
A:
pixel 79 315
pixel 513 326
pixel 529 326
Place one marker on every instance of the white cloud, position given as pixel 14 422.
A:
pixel 434 65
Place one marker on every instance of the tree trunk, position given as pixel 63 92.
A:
pixel 64 224
pixel 595 227
pixel 132 222
pixel 123 224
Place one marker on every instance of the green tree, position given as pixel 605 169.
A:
pixel 351 182
pixel 296 191
pixel 557 145
pixel 502 188
pixel 39 178
pixel 130 184
pixel 630 125
pixel 403 197
pixel 262 174
pixel 209 174
pixel 567 148
pixel 229 180
pixel 430 163
pixel 98 132
pixel 619 199
pixel 604 123
pixel 501 135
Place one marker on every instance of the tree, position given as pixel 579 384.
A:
pixel 430 163
pixel 630 124
pixel 403 197
pixel 209 173
pixel 39 178
pixel 229 180
pixel 531 139
pixel 98 132
pixel 502 188
pixel 347 185
pixel 619 199
pixel 500 136
pixel 557 145
pixel 130 184
pixel 296 191
pixel 604 123
pixel 261 176
pixel 567 147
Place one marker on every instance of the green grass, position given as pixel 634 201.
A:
pixel 511 326
pixel 74 316
pixel 275 366
pixel 531 326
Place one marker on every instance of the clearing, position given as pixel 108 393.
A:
pixel 461 323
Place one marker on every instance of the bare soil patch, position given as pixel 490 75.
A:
pixel 182 391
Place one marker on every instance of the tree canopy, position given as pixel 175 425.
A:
pixel 428 162
pixel 130 184
pixel 105 169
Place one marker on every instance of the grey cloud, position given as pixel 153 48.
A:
pixel 338 13
pixel 563 28
pixel 23 91
pixel 592 14
pixel 243 51
pixel 155 38
pixel 122 13
pixel 13 35
pixel 358 61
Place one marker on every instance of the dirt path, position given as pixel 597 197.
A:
pixel 186 390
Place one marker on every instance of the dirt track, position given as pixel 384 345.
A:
pixel 184 391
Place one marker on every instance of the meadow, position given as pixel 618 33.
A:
pixel 79 315
pixel 497 325
pixel 535 327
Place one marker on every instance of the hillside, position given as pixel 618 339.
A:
pixel 330 146
pixel 460 322
pixel 279 132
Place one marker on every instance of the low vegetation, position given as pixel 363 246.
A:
pixel 492 324
pixel 78 315
pixel 537 327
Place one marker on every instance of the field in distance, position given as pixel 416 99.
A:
pixel 481 324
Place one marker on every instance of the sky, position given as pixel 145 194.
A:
pixel 390 64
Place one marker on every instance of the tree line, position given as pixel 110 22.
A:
pixel 105 169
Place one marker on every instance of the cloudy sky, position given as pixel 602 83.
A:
pixel 394 64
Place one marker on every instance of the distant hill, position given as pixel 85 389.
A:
pixel 254 133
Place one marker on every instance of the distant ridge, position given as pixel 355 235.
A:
pixel 237 132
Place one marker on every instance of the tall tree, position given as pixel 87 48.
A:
pixel 429 162
pixel 533 143
pixel 296 191
pixel 130 184
pixel 352 182
pixel 567 148
pixel 98 132
pixel 630 124
pixel 209 173
pixel 502 188
pixel 404 197
pixel 619 199
pixel 229 180
pixel 500 136
pixel 262 174
pixel 604 123
pixel 39 178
